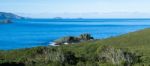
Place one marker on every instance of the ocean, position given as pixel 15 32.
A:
pixel 26 33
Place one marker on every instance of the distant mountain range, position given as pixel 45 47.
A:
pixel 4 15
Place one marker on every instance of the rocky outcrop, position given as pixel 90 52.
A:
pixel 85 37
pixel 73 39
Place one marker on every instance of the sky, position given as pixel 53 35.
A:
pixel 78 8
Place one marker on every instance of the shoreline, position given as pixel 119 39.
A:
pixel 117 46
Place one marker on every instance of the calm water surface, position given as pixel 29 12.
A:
pixel 39 32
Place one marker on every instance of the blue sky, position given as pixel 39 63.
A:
pixel 78 8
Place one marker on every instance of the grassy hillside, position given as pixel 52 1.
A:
pixel 132 49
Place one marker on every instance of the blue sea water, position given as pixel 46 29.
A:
pixel 28 33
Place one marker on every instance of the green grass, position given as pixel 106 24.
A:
pixel 83 54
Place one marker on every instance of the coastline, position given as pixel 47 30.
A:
pixel 52 44
pixel 88 49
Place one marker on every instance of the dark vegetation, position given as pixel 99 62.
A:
pixel 126 50
pixel 12 64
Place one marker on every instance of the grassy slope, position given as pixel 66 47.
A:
pixel 136 41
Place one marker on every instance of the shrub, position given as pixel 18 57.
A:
pixel 69 58
pixel 117 56
pixel 54 55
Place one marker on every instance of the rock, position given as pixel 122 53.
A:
pixel 67 40
pixel 86 37
pixel 73 39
